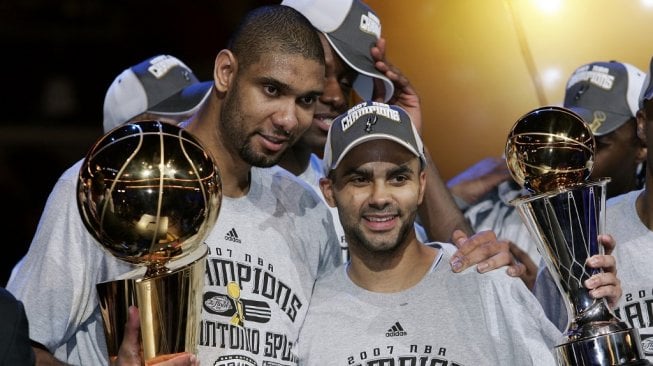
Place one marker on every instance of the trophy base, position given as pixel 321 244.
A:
pixel 620 348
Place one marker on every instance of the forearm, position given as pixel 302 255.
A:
pixel 45 358
pixel 438 212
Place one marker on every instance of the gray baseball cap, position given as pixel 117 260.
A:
pixel 604 94
pixel 370 121
pixel 352 29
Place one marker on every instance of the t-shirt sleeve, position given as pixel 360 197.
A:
pixel 56 279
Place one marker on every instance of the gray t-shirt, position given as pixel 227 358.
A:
pixel 273 242
pixel 447 318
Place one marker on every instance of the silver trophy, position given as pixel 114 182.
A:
pixel 150 194
pixel 550 152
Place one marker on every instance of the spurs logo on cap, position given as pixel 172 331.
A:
pixel 162 64
pixel 597 121
pixel 371 121
pixel 371 24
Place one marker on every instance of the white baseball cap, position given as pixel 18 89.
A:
pixel 160 85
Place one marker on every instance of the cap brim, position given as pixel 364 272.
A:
pixel 603 123
pixel 184 102
pixel 364 65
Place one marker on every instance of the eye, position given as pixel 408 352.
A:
pixel 308 100
pixel 399 179
pixel 358 180
pixel 346 84
pixel 271 90
pixel 600 144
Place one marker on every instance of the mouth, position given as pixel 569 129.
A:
pixel 381 222
pixel 274 142
pixel 324 120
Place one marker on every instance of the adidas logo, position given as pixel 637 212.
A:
pixel 232 236
pixel 396 330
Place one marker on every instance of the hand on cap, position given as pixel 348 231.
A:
pixel 130 352
pixel 484 250
pixel 605 284
pixel 404 94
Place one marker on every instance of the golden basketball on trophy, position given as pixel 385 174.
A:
pixel 149 194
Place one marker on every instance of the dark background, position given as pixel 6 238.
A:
pixel 57 60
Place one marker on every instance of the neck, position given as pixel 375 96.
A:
pixel 644 205
pixel 234 172
pixel 393 271
pixel 296 159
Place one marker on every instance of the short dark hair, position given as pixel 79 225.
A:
pixel 274 28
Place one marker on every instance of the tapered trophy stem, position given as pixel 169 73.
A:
pixel 169 307
pixel 566 225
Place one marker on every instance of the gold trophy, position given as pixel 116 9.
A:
pixel 149 194
pixel 550 152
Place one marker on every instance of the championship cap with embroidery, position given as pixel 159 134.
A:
pixel 605 94
pixel 370 121
pixel 352 29
pixel 160 85
pixel 647 90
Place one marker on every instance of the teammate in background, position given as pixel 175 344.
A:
pixel 261 100
pixel 629 219
pixel 396 302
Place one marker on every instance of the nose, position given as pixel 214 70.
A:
pixel 380 195
pixel 285 119
pixel 333 95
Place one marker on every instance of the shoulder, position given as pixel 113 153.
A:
pixel 330 283
pixel 290 190
pixel 623 201
pixel 72 173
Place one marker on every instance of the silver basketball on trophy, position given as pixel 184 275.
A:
pixel 149 194
pixel 550 152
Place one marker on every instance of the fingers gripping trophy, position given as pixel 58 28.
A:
pixel 550 152
pixel 149 194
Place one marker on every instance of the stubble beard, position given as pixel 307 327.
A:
pixel 231 124
pixel 383 247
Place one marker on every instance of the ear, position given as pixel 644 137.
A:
pixel 641 125
pixel 641 136
pixel 422 186
pixel 326 186
pixel 224 70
